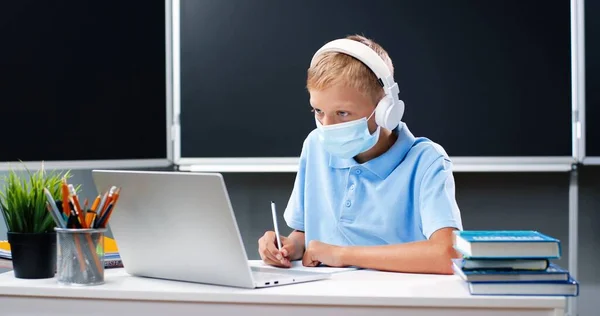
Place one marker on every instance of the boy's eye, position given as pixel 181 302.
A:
pixel 316 111
pixel 342 113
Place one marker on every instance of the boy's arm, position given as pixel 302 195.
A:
pixel 428 256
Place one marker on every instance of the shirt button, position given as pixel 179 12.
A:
pixel 348 203
pixel 357 171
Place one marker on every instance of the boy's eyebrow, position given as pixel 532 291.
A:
pixel 344 107
pixel 339 107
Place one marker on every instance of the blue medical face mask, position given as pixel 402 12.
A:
pixel 348 139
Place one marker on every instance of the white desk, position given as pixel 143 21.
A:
pixel 351 293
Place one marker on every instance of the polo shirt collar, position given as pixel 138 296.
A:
pixel 383 165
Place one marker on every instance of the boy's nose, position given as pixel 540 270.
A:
pixel 326 120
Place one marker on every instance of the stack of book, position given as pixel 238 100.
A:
pixel 512 263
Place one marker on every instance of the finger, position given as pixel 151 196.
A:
pixel 266 254
pixel 267 242
pixel 272 249
pixel 308 260
pixel 277 257
pixel 272 262
pixel 268 257
pixel 285 251
pixel 288 247
pixel 285 263
pixel 274 254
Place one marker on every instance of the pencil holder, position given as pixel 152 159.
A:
pixel 80 256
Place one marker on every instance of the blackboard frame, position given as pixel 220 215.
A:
pixel 167 161
pixel 582 49
pixel 289 164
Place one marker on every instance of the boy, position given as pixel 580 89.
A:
pixel 367 192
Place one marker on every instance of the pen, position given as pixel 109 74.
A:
pixel 274 213
pixel 101 222
pixel 54 209
pixel 49 208
pixel 75 201
pixel 102 202
pixel 109 210
pixel 106 199
pixel 102 219
pixel 101 206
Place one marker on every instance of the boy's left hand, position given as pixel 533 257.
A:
pixel 318 252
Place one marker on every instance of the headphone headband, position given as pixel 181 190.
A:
pixel 367 56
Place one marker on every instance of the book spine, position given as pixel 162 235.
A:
pixel 113 263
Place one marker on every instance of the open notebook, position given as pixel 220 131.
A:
pixel 297 265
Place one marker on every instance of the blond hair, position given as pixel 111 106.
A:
pixel 333 68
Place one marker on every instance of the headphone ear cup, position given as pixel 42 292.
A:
pixel 399 112
pixel 382 110
pixel 388 115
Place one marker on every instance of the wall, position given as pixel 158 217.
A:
pixel 487 200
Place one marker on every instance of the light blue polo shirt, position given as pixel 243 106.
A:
pixel 404 195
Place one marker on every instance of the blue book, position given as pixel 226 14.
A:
pixel 552 274
pixel 503 264
pixel 558 288
pixel 504 244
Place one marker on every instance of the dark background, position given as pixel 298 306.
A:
pixel 481 78
pixel 82 80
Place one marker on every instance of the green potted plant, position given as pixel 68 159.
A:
pixel 30 225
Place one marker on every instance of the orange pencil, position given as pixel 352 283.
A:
pixel 93 253
pixel 95 204
pixel 104 219
pixel 79 252
pixel 91 214
pixel 109 198
pixel 116 196
pixel 65 197
pixel 89 218
pixel 77 206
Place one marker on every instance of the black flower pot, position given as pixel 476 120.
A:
pixel 33 254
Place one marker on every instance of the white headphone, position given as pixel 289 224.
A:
pixel 390 109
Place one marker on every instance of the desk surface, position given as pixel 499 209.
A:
pixel 361 287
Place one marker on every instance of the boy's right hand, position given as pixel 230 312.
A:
pixel 267 248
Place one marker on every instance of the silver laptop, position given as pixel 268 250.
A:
pixel 181 226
